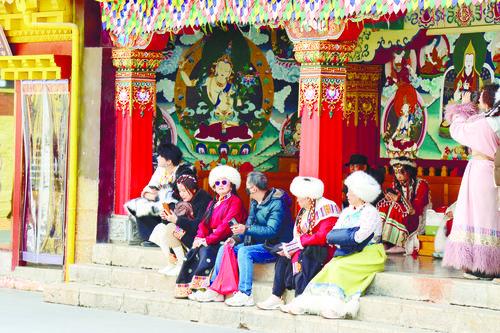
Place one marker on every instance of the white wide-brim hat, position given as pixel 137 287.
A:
pixel 224 172
pixel 363 186
pixel 307 187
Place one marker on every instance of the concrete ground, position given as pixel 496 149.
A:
pixel 25 312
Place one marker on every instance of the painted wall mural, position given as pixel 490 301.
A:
pixel 421 79
pixel 425 73
pixel 229 96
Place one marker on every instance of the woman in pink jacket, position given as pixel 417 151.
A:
pixel 212 231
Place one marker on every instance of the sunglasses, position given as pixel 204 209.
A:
pixel 221 183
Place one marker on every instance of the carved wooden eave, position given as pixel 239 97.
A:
pixel 19 18
pixel 32 67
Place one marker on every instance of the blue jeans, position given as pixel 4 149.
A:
pixel 247 256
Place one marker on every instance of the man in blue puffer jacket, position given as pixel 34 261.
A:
pixel 269 221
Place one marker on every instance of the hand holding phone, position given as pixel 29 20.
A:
pixel 391 194
pixel 166 207
pixel 233 222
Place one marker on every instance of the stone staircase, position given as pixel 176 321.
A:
pixel 124 278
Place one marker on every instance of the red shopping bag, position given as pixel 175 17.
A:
pixel 227 280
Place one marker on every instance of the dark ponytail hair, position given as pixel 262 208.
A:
pixel 412 173
pixel 208 213
pixel 489 92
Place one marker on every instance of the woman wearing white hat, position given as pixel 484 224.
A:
pixel 213 229
pixel 303 257
pixel 334 292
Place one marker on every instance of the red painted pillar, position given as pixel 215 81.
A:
pixel 322 91
pixel 17 195
pixel 135 103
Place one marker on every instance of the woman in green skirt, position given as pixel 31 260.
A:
pixel 334 292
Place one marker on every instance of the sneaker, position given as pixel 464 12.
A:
pixel 166 269
pixel 194 295
pixel 284 308
pixel 271 303
pixel 240 299
pixel 209 295
pixel 296 309
pixel 174 270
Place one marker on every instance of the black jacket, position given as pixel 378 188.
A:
pixel 200 203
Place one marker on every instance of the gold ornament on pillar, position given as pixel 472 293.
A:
pixel 362 98
pixel 322 71
pixel 322 75
pixel 135 85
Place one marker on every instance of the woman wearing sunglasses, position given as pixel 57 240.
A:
pixel 214 229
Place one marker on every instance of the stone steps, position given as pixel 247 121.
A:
pixel 103 285
pixel 426 315
pixel 411 286
pixel 422 287
pixel 145 279
pixel 152 258
pixel 125 278
pixel 163 305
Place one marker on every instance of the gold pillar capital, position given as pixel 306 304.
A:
pixel 135 84
pixel 323 52
pixel 136 61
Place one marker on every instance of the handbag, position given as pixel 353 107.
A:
pixel 227 280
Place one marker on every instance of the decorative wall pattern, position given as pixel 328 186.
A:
pixel 363 94
pixel 421 79
pixel 135 80
pixel 229 96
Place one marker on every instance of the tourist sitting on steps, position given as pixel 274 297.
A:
pixel 403 207
pixel 334 292
pixel 302 258
pixel 181 226
pixel 161 189
pixel 269 222
pixel 213 229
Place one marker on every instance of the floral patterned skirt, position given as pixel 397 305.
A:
pixel 196 269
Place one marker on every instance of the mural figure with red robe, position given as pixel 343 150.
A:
pixel 434 57
pixel 403 120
